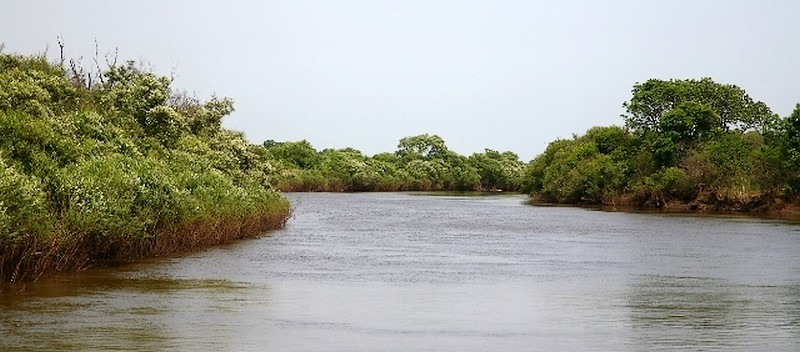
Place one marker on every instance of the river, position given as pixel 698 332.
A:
pixel 405 272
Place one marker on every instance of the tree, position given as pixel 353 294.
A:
pixel 576 171
pixel 788 143
pixel 690 122
pixel 422 146
pixel 297 154
pixel 498 171
pixel 653 100
pixel 791 127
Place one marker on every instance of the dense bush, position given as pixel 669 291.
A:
pixel 121 169
pixel 692 141
pixel 590 168
pixel 421 163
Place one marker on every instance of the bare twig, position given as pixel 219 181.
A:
pixel 173 73
pixel 97 65
pixel 116 56
pixel 61 49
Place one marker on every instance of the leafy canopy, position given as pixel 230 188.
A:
pixel 653 100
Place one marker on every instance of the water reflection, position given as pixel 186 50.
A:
pixel 114 312
pixel 711 313
pixel 366 272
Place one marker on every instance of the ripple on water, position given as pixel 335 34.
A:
pixel 367 272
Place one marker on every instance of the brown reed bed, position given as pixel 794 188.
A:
pixel 31 258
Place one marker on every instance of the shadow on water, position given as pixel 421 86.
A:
pixel 467 194
pixel 100 311
pixel 666 312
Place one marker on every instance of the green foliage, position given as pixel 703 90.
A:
pixel 163 123
pixel 689 140
pixel 589 168
pixel 111 196
pixel 422 163
pixel 667 184
pixel 208 117
pixel 133 92
pixel 119 165
pixel 612 140
pixel 422 146
pixel 785 146
pixel 498 171
pixel 734 109
pixel 791 139
pixel 295 154
pixel 690 122
pixel 23 206
pixel 32 85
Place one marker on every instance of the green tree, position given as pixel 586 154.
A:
pixel 498 171
pixel 576 171
pixel 690 122
pixel 652 100
pixel 788 142
pixel 297 154
pixel 422 146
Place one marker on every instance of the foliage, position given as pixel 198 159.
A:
pixel 654 99
pixel 116 170
pixel 589 168
pixel 423 146
pixel 498 171
pixel 23 205
pixel 685 140
pixel 421 163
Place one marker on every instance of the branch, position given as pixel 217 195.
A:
pixel 61 49
pixel 97 65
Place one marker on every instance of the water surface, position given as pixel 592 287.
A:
pixel 399 272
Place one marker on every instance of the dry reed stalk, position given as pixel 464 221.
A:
pixel 29 259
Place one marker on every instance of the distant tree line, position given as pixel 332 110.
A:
pixel 421 163
pixel 104 168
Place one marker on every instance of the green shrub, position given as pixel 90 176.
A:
pixel 119 170
pixel 24 209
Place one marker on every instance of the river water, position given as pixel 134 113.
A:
pixel 400 272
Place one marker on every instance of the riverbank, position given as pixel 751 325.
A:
pixel 438 273
pixel 106 169
pixel 713 204
pixel 30 259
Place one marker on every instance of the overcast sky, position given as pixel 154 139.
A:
pixel 506 75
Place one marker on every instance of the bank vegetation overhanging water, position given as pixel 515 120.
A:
pixel 687 145
pixel 107 168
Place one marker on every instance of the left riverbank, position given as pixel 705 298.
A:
pixel 102 168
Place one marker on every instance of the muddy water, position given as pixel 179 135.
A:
pixel 398 272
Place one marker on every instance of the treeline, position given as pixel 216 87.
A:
pixel 105 169
pixel 421 163
pixel 693 144
pixel 112 167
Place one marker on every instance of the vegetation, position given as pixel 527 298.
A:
pixel 695 144
pixel 421 163
pixel 101 172
pixel 107 169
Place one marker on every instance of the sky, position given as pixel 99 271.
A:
pixel 506 75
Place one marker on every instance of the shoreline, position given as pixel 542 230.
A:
pixel 755 207
pixel 29 260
